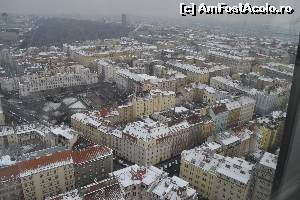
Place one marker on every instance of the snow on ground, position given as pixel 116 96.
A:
pixel 68 101
pixel 57 114
pixel 45 117
pixel 50 106
pixel 6 160
pixel 180 109
pixel 77 105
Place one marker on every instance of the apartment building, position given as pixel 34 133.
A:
pixel 92 127
pixel 92 164
pixel 233 179
pixel 71 76
pixel 215 176
pixel 219 114
pixel 106 70
pixel 277 70
pixel 231 113
pixel 152 183
pixel 36 134
pixel 264 173
pixel 222 83
pixel 208 95
pixel 230 143
pixel 172 187
pixel 108 188
pixel 266 101
pixel 47 176
pixel 10 184
pixel 236 63
pixel 55 173
pixel 240 141
pixel 9 84
pixel 201 175
pixel 10 139
pixel 163 72
pixel 217 70
pixel 136 180
pixel 249 139
pixel 62 136
pixel 147 142
pixel 247 109
pixel 129 81
pixel 271 130
pixel 147 104
pixel 234 110
pixel 200 123
pixel 193 73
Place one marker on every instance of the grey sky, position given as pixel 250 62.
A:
pixel 163 8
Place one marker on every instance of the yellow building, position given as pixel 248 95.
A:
pixel 193 73
pixel 154 101
pixel 215 176
pixel 265 138
pixel 126 112
pixel 200 174
pixel 92 127
pixel 271 130
pixel 234 109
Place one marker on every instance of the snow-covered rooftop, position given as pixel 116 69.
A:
pixel 65 132
pixel 134 76
pixel 136 175
pixel 168 189
pixel 146 130
pixel 233 105
pixel 188 67
pixel 92 120
pixel 269 160
pixel 202 157
pixel 6 161
pixel 236 169
pixel 244 100
pixel 180 109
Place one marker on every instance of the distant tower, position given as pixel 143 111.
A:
pixel 124 23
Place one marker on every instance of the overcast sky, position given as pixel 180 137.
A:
pixel 161 8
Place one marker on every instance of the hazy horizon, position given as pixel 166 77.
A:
pixel 153 8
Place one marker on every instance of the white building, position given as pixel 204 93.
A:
pixel 266 102
pixel 148 142
pixel 78 75
pixel 206 94
pixel 9 84
pixel 237 64
pixel 106 70
pixel 21 135
pixel 278 70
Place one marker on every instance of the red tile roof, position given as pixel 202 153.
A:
pixel 84 155
pixel 44 160
pixel 90 153
pixel 9 173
